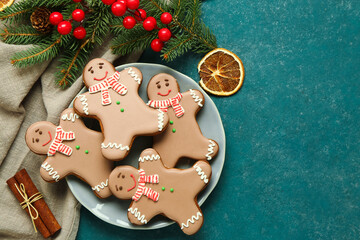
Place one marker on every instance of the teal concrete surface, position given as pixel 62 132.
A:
pixel 292 167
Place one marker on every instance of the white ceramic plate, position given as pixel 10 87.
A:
pixel 113 210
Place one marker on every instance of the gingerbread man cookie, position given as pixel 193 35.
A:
pixel 72 149
pixel 183 137
pixel 113 99
pixel 156 190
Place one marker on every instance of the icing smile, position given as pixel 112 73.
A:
pixel 49 139
pixel 99 79
pixel 134 183
pixel 164 95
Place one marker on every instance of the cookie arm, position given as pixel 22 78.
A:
pixel 82 106
pixel 141 212
pixel 200 173
pixel 195 98
pixel 150 159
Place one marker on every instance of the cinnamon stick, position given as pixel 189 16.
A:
pixel 44 212
pixel 40 226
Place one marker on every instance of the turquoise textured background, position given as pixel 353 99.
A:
pixel 292 166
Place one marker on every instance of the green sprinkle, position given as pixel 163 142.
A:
pixel 77 147
pixel 163 188
pixel 86 151
pixel 171 189
pixel 118 102
pixel 122 110
pixel 173 130
pixel 171 122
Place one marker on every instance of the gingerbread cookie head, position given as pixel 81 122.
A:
pixel 96 71
pixel 162 86
pixel 39 136
pixel 123 182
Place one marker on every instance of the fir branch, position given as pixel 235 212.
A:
pixel 98 23
pixel 21 35
pixel 38 54
pixel 135 40
pixel 72 64
pixel 16 13
pixel 177 47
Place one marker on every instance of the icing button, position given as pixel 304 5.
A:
pixel 122 110
pixel 118 102
pixel 163 188
pixel 173 130
pixel 171 122
pixel 86 151
pixel 77 147
pixel 171 190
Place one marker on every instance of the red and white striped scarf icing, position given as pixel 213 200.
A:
pixel 103 86
pixel 142 190
pixel 57 144
pixel 170 102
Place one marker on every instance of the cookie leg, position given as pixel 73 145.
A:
pixel 190 220
pixel 115 149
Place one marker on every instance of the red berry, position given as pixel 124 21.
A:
pixel 78 15
pixel 140 14
pixel 164 34
pixel 166 18
pixel 55 18
pixel 77 0
pixel 129 22
pixel 132 4
pixel 79 32
pixel 64 27
pixel 149 23
pixel 118 9
pixel 157 45
pixel 122 1
pixel 108 2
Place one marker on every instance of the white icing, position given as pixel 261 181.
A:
pixel 148 157
pixel 83 100
pixel 97 211
pixel 138 215
pixel 102 185
pixel 161 115
pixel 71 116
pixel 51 171
pixel 191 220
pixel 196 98
pixel 210 150
pixel 134 75
pixel 201 173
pixel 115 145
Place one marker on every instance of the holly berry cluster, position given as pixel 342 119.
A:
pixel 120 7
pixel 64 27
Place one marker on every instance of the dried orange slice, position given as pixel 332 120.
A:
pixel 5 3
pixel 221 72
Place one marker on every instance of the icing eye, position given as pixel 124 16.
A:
pixel 40 132
pixel 167 84
pixel 37 140
pixel 159 86
pixel 120 188
pixel 92 71
pixel 100 67
pixel 123 176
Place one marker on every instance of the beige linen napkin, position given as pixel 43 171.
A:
pixel 29 95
